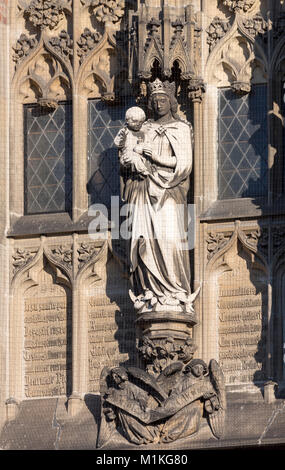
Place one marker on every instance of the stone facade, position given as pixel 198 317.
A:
pixel 65 310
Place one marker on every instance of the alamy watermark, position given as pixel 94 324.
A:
pixel 171 223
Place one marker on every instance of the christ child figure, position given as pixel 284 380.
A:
pixel 131 139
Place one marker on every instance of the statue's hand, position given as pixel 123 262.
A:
pixel 147 150
pixel 120 138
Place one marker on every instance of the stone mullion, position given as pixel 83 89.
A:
pixel 79 109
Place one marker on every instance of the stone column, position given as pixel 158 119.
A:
pixel 4 197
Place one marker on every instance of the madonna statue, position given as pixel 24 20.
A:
pixel 156 156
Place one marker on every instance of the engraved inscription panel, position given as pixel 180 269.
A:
pixel 242 324
pixel 111 328
pixel 47 340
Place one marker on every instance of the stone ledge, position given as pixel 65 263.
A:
pixel 44 424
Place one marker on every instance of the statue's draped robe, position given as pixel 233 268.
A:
pixel 159 253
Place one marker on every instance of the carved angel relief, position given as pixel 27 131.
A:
pixel 163 408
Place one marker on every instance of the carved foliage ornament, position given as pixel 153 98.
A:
pixel 256 25
pixel 87 42
pixel 257 239
pixel 46 13
pixel 216 31
pixel 241 6
pixel 216 241
pixel 86 252
pixel 64 254
pixel 159 355
pixel 23 48
pixel 21 257
pixel 63 45
pixel 106 11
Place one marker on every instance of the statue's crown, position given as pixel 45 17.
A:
pixel 162 87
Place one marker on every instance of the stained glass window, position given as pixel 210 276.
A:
pixel 242 143
pixel 48 159
pixel 104 122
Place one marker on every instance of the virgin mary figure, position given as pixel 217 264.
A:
pixel 157 197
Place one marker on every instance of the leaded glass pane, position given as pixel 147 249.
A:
pixel 104 121
pixel 242 143
pixel 48 159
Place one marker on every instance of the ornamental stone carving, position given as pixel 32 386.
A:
pixel 216 241
pixel 63 45
pixel 216 31
pixel 86 252
pixel 108 12
pixel 22 257
pixel 253 237
pixel 256 26
pixel 240 6
pixel 87 42
pixel 46 13
pixel 64 254
pixel 23 47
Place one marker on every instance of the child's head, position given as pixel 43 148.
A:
pixel 135 117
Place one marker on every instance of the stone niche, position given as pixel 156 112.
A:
pixel 111 324
pixel 242 313
pixel 47 337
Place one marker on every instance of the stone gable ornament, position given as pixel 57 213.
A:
pixel 168 399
